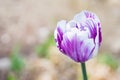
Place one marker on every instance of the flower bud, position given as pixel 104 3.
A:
pixel 79 38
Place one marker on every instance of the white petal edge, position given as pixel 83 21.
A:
pixel 62 25
pixel 80 17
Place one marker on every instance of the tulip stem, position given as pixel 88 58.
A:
pixel 84 71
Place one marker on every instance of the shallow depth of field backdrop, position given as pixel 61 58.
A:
pixel 28 50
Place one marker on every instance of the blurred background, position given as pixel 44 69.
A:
pixel 28 50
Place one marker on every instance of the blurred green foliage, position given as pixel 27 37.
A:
pixel 109 60
pixel 42 49
pixel 17 63
pixel 11 77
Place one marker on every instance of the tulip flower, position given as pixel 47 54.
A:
pixel 79 38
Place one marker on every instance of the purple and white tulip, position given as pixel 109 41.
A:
pixel 79 38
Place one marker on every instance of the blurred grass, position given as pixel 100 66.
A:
pixel 17 62
pixel 109 60
pixel 42 49
pixel 11 77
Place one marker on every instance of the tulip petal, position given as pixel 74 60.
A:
pixel 100 36
pixel 79 38
pixel 92 28
pixel 58 34
pixel 76 46
pixel 85 49
pixel 82 16
pixel 61 26
pixel 71 24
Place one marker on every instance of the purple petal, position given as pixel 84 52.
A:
pixel 79 38
pixel 86 49
pixel 100 36
pixel 92 28
pixel 89 14
pixel 76 47
pixel 58 34
pixel 61 26
pixel 82 16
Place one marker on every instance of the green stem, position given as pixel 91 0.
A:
pixel 84 71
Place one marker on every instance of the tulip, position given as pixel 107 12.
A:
pixel 79 38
